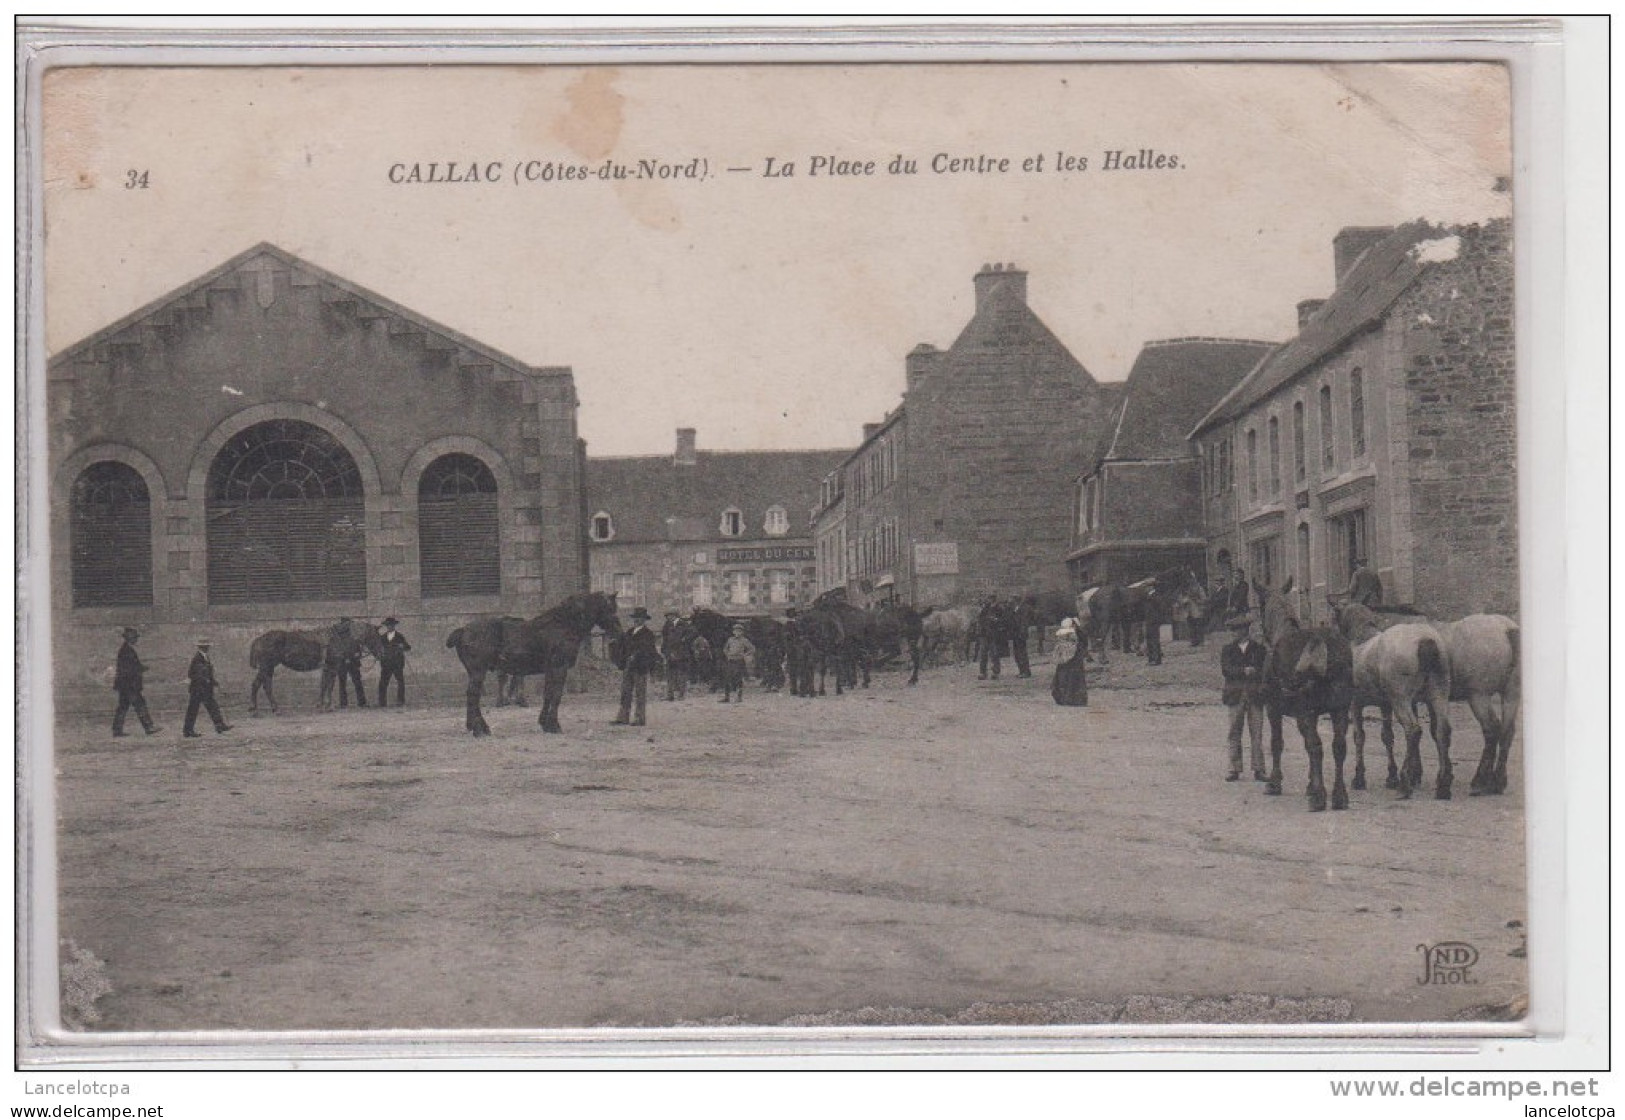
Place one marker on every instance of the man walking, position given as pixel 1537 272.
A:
pixel 200 688
pixel 641 654
pixel 1022 617
pixel 392 653
pixel 993 629
pixel 127 677
pixel 1242 663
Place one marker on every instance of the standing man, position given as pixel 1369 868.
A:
pixel 1242 663
pixel 1365 586
pixel 674 639
pixel 391 664
pixel 642 654
pixel 200 688
pixel 737 654
pixel 344 655
pixel 1022 616
pixel 1156 615
pixel 993 626
pixel 127 683
pixel 795 654
pixel 1238 593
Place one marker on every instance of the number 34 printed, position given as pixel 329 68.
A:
pixel 135 180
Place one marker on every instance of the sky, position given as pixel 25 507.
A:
pixel 766 311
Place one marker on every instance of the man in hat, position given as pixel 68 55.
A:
pixel 1365 586
pixel 1242 663
pixel 642 654
pixel 344 655
pixel 737 654
pixel 797 657
pixel 392 652
pixel 127 683
pixel 993 632
pixel 674 639
pixel 200 687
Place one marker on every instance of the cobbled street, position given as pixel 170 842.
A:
pixel 961 852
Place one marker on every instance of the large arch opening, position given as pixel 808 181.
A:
pixel 110 537
pixel 286 517
pixel 459 546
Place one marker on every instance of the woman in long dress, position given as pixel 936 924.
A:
pixel 1069 687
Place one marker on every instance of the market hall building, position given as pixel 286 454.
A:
pixel 271 446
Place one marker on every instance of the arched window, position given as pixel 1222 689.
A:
pixel 286 517
pixel 110 535
pixel 459 548
pixel 603 526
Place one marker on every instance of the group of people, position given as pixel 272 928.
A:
pixel 682 651
pixel 129 681
pixel 1000 631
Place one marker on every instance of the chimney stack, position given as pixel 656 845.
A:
pixel 686 455
pixel 1351 242
pixel 1307 309
pixel 996 276
pixel 918 365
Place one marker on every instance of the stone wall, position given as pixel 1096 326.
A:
pixel 1460 388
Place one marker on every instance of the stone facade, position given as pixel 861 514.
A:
pixel 1400 390
pixel 984 453
pixel 269 339
pixel 727 530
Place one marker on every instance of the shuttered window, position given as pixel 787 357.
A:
pixel 110 532
pixel 459 550
pixel 286 517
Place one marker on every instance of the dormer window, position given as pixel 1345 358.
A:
pixel 778 521
pixel 733 522
pixel 603 527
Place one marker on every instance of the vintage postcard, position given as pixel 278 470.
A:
pixel 1005 547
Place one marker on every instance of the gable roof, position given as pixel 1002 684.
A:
pixel 234 273
pixel 1174 383
pixel 652 498
pixel 1380 276
pixel 1003 323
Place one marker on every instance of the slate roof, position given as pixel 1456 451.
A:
pixel 651 498
pixel 1174 383
pixel 1377 279
pixel 189 293
pixel 1003 323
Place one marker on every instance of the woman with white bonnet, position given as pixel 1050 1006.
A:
pixel 1069 687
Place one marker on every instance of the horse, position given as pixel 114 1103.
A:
pixel 825 641
pixel 943 631
pixel 1309 673
pixel 766 634
pixel 547 644
pixel 861 635
pixel 1116 608
pixel 909 624
pixel 1050 609
pixel 1396 669
pixel 1482 650
pixel 304 651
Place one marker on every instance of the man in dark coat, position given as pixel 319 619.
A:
pixel 344 655
pixel 1156 615
pixel 675 637
pixel 127 677
pixel 1022 617
pixel 392 651
pixel 993 630
pixel 797 657
pixel 200 691
pixel 1239 592
pixel 1365 586
pixel 1242 663
pixel 641 654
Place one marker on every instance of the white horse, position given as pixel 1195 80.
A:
pixel 1484 671
pixel 1397 669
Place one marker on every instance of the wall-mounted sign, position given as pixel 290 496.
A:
pixel 759 555
pixel 936 559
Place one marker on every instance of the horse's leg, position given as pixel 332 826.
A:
pixel 1388 745
pixel 475 719
pixel 1511 699
pixel 1357 721
pixel 1277 744
pixel 254 692
pixel 863 664
pixel 1410 775
pixel 1340 727
pixel 1309 729
pixel 270 696
pixel 324 697
pixel 1438 702
pixel 552 694
pixel 915 654
pixel 1483 707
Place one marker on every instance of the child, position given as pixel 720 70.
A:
pixel 737 656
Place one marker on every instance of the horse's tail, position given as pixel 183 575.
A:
pixel 455 638
pixel 1430 660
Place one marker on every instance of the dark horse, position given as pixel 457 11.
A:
pixel 1116 609
pixel 766 634
pixel 894 622
pixel 303 651
pixel 1308 673
pixel 547 644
